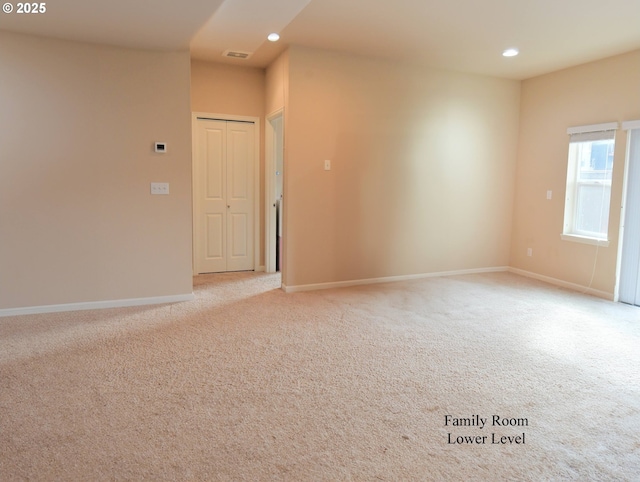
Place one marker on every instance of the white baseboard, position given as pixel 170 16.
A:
pixel 96 305
pixel 388 279
pixel 563 284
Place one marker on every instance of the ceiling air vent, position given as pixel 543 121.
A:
pixel 236 54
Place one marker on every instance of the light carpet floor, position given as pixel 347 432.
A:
pixel 249 383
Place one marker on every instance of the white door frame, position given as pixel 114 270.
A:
pixel 270 193
pixel 256 177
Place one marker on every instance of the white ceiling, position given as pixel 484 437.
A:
pixel 462 35
pixel 146 24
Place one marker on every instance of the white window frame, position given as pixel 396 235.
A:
pixel 593 132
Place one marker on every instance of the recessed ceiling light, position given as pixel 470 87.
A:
pixel 273 37
pixel 510 53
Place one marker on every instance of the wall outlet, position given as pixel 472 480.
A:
pixel 529 252
pixel 159 188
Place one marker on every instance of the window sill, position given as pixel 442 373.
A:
pixel 584 240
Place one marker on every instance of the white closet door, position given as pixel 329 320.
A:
pixel 240 196
pixel 223 196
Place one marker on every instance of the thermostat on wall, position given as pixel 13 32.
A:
pixel 161 147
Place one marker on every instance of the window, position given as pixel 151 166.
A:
pixel 589 173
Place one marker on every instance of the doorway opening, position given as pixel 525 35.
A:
pixel 274 189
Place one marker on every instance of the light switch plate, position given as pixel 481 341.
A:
pixel 549 194
pixel 159 188
pixel 327 165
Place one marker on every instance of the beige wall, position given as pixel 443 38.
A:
pixel 227 89
pixel 423 169
pixel 277 84
pixel 77 126
pixel 234 90
pixel 603 91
